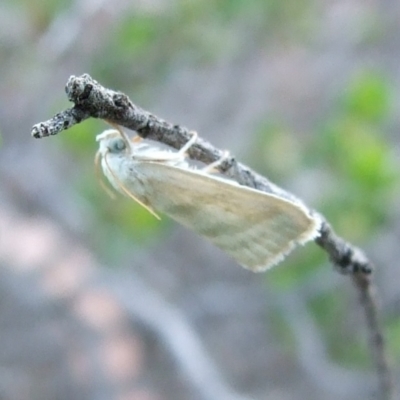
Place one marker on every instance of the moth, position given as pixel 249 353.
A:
pixel 255 228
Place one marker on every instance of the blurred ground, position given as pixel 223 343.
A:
pixel 98 300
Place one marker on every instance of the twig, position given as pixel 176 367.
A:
pixel 343 255
pixel 93 100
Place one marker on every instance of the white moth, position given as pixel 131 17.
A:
pixel 257 229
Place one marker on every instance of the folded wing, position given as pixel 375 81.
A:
pixel 257 229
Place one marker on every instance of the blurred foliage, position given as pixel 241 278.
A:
pixel 361 180
pixel 145 46
pixel 297 268
pixel 354 150
pixel 392 337
pixel 42 13
pixel 344 345
pixel 121 221
pixel 280 328
pixel 81 140
pixel 276 151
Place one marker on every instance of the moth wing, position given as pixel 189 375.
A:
pixel 257 229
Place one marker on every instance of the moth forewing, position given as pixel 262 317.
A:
pixel 255 228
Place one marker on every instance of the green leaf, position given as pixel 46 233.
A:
pixel 368 97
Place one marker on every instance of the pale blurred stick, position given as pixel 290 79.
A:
pixel 92 100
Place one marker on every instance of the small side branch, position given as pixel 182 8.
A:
pixel 93 100
pixel 60 122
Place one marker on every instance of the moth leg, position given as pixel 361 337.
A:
pixel 213 167
pixel 189 144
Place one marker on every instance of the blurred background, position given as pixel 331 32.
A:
pixel 98 299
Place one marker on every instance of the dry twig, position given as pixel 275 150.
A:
pixel 92 100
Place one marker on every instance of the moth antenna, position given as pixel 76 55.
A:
pixel 99 176
pixel 127 192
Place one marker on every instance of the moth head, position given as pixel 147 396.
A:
pixel 113 141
